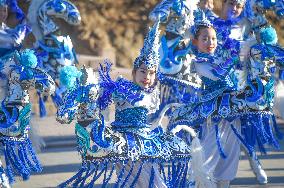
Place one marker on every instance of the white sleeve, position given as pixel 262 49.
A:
pixel 205 70
pixel 245 47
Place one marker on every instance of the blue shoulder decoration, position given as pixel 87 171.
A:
pixel 122 88
pixel 27 58
pixel 68 76
pixel 107 84
pixel 268 35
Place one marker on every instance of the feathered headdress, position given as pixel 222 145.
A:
pixel 149 54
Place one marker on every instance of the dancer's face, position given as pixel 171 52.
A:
pixel 144 77
pixel 3 13
pixel 206 40
pixel 206 4
pixel 231 9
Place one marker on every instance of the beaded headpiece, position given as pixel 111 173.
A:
pixel 149 54
pixel 200 20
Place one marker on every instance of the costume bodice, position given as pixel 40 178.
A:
pixel 213 85
pixel 132 112
pixel 130 118
pixel 215 73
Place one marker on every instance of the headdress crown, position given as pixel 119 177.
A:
pixel 149 54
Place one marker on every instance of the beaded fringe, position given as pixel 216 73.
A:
pixel 42 108
pixel 56 99
pixel 258 130
pixel 20 158
pixel 173 174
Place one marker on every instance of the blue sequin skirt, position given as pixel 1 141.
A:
pixel 134 157
pixel 20 157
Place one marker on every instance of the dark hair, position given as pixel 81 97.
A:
pixel 199 28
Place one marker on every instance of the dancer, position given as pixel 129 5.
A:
pixel 128 145
pixel 239 20
pixel 18 74
pixel 223 107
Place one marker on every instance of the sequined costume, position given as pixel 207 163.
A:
pixel 176 78
pixel 128 144
pixel 239 29
pixel 215 105
pixel 19 77
pixel 230 112
pixel 266 67
pixel 127 151
pixel 18 73
pixel 54 50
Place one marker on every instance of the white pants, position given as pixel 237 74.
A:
pixel 279 100
pixel 222 169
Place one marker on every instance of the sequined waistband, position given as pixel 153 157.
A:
pixel 121 126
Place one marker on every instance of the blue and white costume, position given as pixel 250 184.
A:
pixel 128 145
pixel 213 104
pixel 53 49
pixel 176 78
pixel 231 112
pixel 19 73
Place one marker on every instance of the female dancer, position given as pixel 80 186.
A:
pixel 128 146
pixel 222 107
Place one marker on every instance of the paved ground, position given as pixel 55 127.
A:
pixel 60 160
